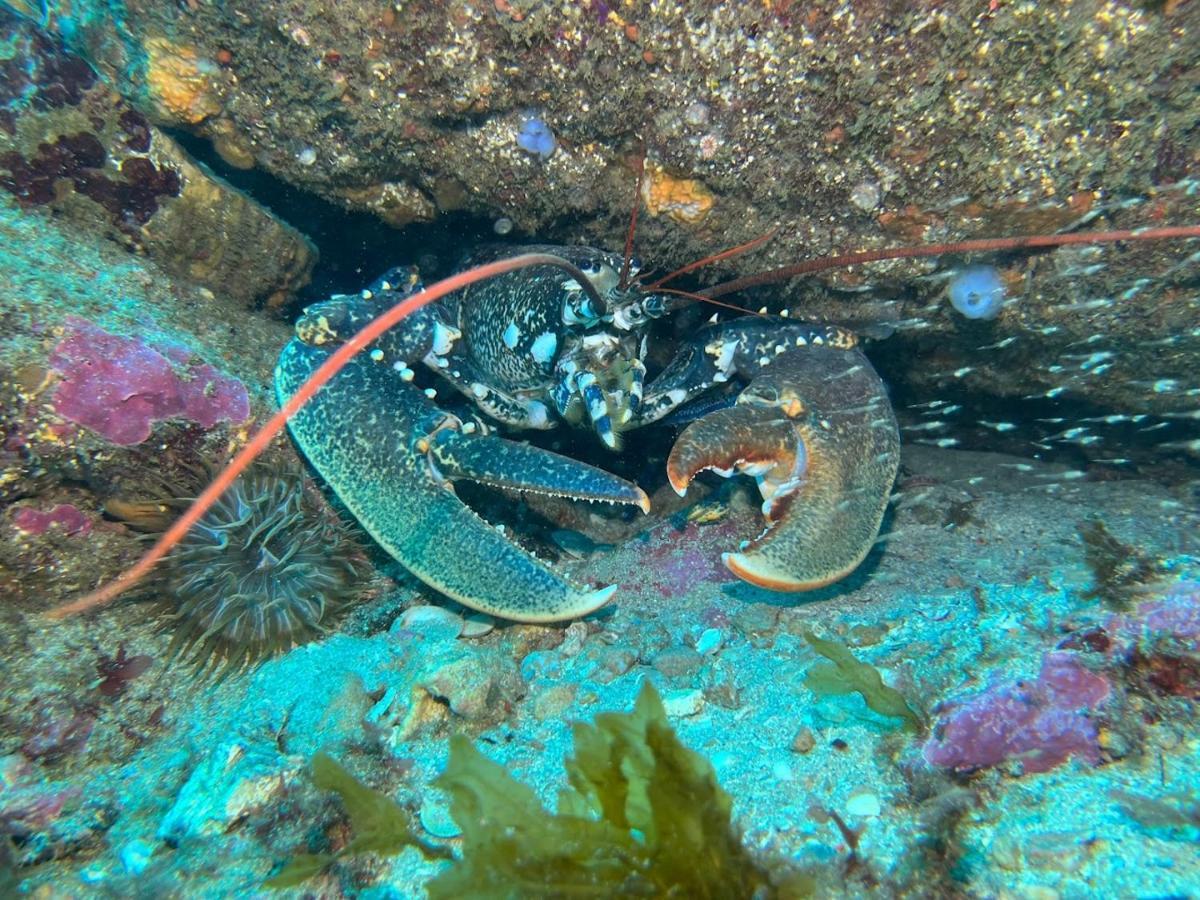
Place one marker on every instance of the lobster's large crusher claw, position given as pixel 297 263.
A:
pixel 817 432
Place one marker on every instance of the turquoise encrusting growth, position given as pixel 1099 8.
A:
pixel 389 453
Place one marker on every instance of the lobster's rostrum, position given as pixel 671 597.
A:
pixel 813 424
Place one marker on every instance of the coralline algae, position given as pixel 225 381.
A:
pixel 119 386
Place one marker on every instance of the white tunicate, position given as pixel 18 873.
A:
pixel 977 292
pixel 502 225
pixel 866 195
pixel 696 114
pixel 307 156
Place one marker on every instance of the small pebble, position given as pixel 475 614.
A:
pixel 804 741
pixel 680 704
pixel 307 156
pixel 435 819
pixel 502 225
pixel 573 639
pixel 781 771
pixel 477 625
pixel 613 662
pixel 710 641
pixel 432 622
pixel 863 803
pixel 721 688
pixel 552 702
pixel 756 618
pixel 677 662
pixel 135 856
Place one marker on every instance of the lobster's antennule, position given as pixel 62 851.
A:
pixel 716 257
pixel 637 200
pixel 708 300
pixel 982 245
pixel 262 439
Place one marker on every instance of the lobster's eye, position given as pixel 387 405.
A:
pixel 635 264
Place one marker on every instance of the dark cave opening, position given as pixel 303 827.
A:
pixel 354 247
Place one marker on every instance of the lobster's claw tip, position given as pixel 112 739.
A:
pixel 678 475
pixel 737 439
pixel 758 571
pixel 643 501
pixel 598 597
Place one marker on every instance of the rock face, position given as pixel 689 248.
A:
pixel 845 126
pixel 71 145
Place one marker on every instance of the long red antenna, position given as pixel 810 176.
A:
pixel 983 245
pixel 257 444
pixel 716 257
pixel 637 202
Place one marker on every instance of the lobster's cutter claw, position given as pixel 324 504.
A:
pixel 498 462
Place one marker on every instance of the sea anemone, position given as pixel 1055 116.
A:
pixel 264 570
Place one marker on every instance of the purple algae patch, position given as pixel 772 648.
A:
pixel 1039 723
pixel 1176 615
pixel 119 386
pixel 65 516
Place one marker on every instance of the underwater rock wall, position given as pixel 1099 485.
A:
pixel 846 126
pixel 71 146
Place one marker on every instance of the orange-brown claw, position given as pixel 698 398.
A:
pixel 817 432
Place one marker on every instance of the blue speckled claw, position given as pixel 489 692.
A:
pixel 495 461
pixel 390 454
